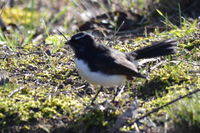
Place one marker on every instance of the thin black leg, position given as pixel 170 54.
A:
pixel 117 92
pixel 101 88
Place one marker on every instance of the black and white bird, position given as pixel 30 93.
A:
pixel 108 67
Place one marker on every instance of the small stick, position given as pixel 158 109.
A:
pixel 62 34
pixel 169 103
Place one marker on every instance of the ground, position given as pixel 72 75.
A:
pixel 41 91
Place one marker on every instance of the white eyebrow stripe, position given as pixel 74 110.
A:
pixel 78 37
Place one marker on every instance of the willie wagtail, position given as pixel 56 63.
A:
pixel 105 66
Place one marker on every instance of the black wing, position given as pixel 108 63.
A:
pixel 115 62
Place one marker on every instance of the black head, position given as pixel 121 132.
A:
pixel 81 41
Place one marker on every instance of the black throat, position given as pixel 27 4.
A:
pixel 87 52
pixel 89 55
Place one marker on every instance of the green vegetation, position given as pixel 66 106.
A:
pixel 185 114
pixel 45 93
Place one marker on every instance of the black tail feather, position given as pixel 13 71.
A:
pixel 157 49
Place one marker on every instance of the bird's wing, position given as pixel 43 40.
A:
pixel 116 63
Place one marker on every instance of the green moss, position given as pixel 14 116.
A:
pixel 44 85
pixel 95 120
pixel 25 108
pixel 186 115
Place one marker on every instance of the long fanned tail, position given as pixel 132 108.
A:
pixel 157 49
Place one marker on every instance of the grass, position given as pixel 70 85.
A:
pixel 185 115
pixel 45 92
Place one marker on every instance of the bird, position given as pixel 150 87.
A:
pixel 102 65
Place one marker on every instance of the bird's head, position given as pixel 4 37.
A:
pixel 81 41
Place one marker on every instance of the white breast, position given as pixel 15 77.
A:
pixel 98 78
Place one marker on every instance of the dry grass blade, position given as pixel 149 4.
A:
pixel 62 34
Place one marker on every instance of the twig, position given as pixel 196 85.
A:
pixel 117 30
pixel 62 35
pixel 140 63
pixel 15 91
pixel 115 33
pixel 11 3
pixel 136 128
pixel 171 102
pixel 2 7
pixel 157 65
pixel 130 113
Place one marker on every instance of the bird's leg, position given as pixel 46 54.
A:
pixel 101 88
pixel 118 91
